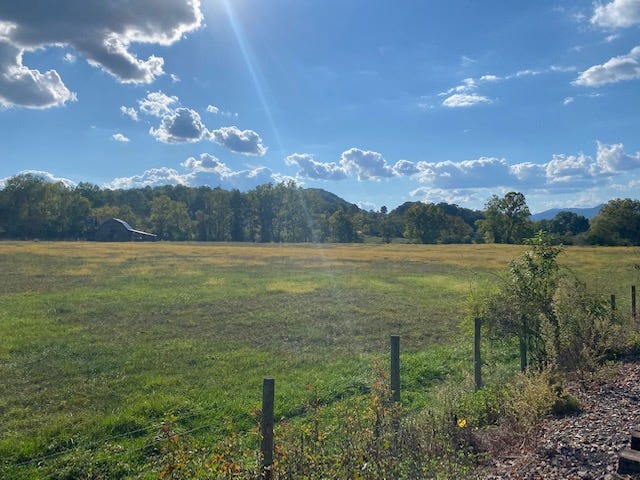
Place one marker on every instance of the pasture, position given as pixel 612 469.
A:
pixel 100 343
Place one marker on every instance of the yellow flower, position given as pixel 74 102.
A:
pixel 462 422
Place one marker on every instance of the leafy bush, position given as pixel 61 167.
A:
pixel 588 331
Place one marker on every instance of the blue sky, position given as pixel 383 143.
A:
pixel 377 102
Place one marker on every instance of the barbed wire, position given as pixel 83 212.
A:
pixel 103 441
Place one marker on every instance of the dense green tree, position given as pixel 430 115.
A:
pixel 523 305
pixel 455 230
pixel 424 222
pixel 31 207
pixel 170 219
pixel 292 222
pixel 507 219
pixel 262 202
pixel 341 228
pixel 618 223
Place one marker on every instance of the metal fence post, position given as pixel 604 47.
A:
pixel 477 360
pixel 395 368
pixel 266 444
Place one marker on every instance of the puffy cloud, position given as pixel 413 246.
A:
pixel 207 170
pixel 466 94
pixel 150 178
pixel 613 159
pixel 129 112
pixel 157 104
pixel 119 137
pixel 529 174
pixel 405 168
pixel 46 176
pixel 103 31
pixel 183 125
pixel 365 164
pixel 452 196
pixel 28 88
pixel 100 31
pixel 616 69
pixel 246 142
pixel 459 100
pixel 310 168
pixel 617 14
pixel 569 168
pixel 483 172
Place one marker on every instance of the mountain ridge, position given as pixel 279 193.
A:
pixel 588 212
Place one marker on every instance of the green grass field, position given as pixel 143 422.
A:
pixel 99 343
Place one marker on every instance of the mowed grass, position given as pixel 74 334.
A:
pixel 99 343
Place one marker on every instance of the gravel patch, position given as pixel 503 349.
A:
pixel 583 446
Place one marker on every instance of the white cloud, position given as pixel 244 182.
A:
pixel 174 78
pixel 613 159
pixel 452 196
pixel 460 100
pixel 466 61
pixel 129 112
pixel 483 172
pixel 20 86
pixel 569 168
pixel 528 173
pixel 207 170
pixel 215 110
pixel 617 14
pixel 405 168
pixel 568 101
pixel 526 73
pixel 310 168
pixel 466 94
pixel 183 125
pixel 102 32
pixel 69 58
pixel 246 142
pixel 366 165
pixel 616 69
pixel 119 137
pixel 150 178
pixel 46 176
pixel 157 104
pixel 561 173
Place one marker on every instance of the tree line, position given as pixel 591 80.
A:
pixel 33 208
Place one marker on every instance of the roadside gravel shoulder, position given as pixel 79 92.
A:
pixel 583 446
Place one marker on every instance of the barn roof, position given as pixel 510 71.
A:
pixel 133 230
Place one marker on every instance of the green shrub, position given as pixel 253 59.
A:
pixel 588 331
pixel 532 396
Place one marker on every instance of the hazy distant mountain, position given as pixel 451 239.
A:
pixel 585 212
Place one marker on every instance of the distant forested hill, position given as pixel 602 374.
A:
pixel 585 212
pixel 33 208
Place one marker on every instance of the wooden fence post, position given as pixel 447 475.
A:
pixel 613 302
pixel 633 301
pixel 477 361
pixel 395 368
pixel 266 444
pixel 523 353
